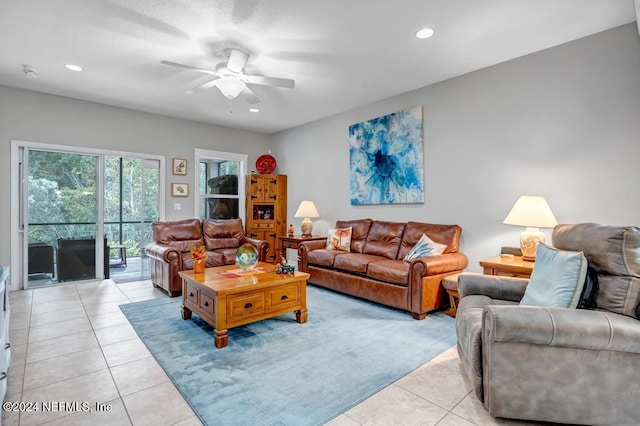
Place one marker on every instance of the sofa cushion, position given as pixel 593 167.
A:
pixel 359 231
pixel 323 257
pixel 557 278
pixel 222 233
pixel 614 250
pixel 355 262
pixel 384 239
pixel 443 234
pixel 614 253
pixel 618 294
pixel 228 255
pixel 423 248
pixel 182 235
pixel 213 259
pixel 339 239
pixel 391 271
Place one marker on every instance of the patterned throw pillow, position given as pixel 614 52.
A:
pixel 424 247
pixel 339 239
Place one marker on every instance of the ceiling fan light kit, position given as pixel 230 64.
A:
pixel 231 80
pixel 230 87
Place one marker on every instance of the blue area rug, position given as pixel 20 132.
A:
pixel 279 372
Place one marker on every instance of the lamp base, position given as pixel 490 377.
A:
pixel 529 241
pixel 306 227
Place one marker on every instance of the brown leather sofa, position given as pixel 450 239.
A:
pixel 170 251
pixel 375 270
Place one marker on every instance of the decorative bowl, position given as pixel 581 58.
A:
pixel 246 257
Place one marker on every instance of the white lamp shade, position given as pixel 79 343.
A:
pixel 531 211
pixel 307 209
pixel 230 87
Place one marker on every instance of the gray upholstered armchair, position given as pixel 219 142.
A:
pixel 559 365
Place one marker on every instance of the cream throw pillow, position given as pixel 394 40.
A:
pixel 339 239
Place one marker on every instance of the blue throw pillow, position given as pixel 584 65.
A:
pixel 557 278
pixel 424 247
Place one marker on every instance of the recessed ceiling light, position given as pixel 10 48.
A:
pixel 425 33
pixel 254 110
pixel 73 67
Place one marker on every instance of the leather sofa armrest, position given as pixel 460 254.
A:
pixel 306 247
pixel 312 245
pixel 260 245
pixel 441 264
pixel 162 253
pixel 570 328
pixel 493 286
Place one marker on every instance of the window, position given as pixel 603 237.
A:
pixel 220 184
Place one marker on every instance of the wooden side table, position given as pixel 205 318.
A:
pixel 292 243
pixel 515 267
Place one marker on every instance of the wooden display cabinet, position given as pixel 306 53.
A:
pixel 266 213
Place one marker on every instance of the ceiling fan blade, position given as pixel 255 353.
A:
pixel 207 85
pixel 188 67
pixel 237 60
pixel 271 81
pixel 248 95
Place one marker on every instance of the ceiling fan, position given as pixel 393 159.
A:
pixel 231 80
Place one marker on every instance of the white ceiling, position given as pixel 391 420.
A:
pixel 341 53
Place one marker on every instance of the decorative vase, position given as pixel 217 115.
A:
pixel 246 257
pixel 198 266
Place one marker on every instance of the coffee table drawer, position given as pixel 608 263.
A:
pixel 191 294
pixel 282 296
pixel 245 305
pixel 207 304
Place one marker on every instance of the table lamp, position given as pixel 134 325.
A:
pixel 533 212
pixel 306 210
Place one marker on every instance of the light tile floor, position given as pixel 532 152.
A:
pixel 72 343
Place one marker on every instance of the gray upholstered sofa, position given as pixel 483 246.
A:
pixel 578 366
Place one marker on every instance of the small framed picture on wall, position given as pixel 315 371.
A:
pixel 179 189
pixel 179 166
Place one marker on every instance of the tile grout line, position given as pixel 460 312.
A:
pixel 119 397
pixel 105 358
pixel 26 351
pixel 82 298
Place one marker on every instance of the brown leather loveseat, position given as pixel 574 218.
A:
pixel 375 269
pixel 170 251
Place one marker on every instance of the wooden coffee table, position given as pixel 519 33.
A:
pixel 238 298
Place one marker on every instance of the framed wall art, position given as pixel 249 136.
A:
pixel 386 159
pixel 179 189
pixel 179 166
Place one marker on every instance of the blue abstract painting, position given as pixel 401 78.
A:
pixel 386 156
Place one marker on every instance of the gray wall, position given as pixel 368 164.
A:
pixel 36 117
pixel 563 123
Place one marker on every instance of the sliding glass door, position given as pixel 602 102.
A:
pixel 131 190
pixel 60 197
pixel 84 216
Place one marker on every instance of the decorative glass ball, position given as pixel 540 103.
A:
pixel 246 257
